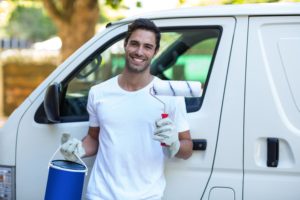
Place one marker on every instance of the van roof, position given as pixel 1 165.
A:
pixel 262 9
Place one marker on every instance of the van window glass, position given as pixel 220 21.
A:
pixel 194 64
pixel 185 54
pixel 102 67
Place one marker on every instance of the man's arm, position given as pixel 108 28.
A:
pixel 176 144
pixel 90 142
pixel 186 145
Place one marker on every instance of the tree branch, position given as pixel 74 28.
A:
pixel 68 8
pixel 53 11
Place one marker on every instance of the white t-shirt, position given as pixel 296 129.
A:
pixel 129 164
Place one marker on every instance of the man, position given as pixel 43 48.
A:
pixel 126 129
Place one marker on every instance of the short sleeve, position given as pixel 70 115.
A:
pixel 180 116
pixel 91 108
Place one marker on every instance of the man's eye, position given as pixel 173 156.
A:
pixel 149 47
pixel 133 43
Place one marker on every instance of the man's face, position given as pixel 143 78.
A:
pixel 139 50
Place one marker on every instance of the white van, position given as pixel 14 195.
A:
pixel 245 127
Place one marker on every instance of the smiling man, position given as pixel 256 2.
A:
pixel 140 50
pixel 125 129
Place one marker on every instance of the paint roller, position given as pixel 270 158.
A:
pixel 175 88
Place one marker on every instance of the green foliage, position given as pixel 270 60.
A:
pixel 113 3
pixel 30 23
pixel 111 10
pixel 138 4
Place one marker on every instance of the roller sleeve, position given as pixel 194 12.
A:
pixel 178 88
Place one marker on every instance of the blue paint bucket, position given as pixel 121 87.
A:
pixel 65 180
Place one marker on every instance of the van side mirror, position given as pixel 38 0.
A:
pixel 52 101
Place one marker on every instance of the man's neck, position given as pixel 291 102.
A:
pixel 133 82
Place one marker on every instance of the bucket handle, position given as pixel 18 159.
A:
pixel 78 157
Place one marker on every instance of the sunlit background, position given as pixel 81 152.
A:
pixel 37 35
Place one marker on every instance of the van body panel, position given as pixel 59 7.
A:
pixel 289 49
pixel 270 9
pixel 8 135
pixel 221 193
pixel 204 124
pixel 228 163
pixel 271 115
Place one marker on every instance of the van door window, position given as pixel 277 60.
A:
pixel 99 68
pixel 185 54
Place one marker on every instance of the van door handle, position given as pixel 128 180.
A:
pixel 272 152
pixel 199 144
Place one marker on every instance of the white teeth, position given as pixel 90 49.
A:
pixel 138 60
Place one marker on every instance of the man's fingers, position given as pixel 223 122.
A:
pixel 65 137
pixel 163 129
pixel 163 122
pixel 159 138
pixel 162 136
pixel 71 148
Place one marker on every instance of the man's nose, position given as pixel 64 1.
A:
pixel 139 50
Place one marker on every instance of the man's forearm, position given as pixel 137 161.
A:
pixel 186 149
pixel 90 143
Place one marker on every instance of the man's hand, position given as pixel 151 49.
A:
pixel 71 146
pixel 166 133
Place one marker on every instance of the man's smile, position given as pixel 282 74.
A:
pixel 137 60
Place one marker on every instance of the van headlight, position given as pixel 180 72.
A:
pixel 7 183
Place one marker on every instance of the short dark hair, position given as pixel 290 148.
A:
pixel 145 24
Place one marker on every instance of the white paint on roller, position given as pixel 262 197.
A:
pixel 178 88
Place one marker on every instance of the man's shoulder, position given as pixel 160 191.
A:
pixel 155 78
pixel 105 84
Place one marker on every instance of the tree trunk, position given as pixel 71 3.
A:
pixel 75 20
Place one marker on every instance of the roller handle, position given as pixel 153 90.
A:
pixel 164 115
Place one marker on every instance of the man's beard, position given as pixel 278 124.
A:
pixel 134 69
